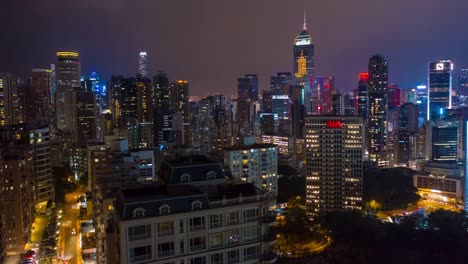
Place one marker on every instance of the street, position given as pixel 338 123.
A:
pixel 70 242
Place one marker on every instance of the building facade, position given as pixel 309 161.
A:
pixel 439 88
pixel 334 163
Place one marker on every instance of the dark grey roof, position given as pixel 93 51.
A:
pixel 150 199
pixel 198 169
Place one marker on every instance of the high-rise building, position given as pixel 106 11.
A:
pixel 18 196
pixel 463 79
pixel 163 109
pixel 378 109
pixel 83 126
pixel 68 78
pixel 439 88
pixel 280 82
pixel 245 116
pixel 338 104
pixel 334 164
pixel 326 88
pixel 247 87
pixel 257 164
pixel 36 139
pixel 143 64
pixel 363 98
pixel 407 133
pixel 444 145
pixel 38 105
pixel 180 97
pixel 393 97
pixel 282 107
pixel 304 64
pixel 11 112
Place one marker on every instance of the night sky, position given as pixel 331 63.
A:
pixel 212 42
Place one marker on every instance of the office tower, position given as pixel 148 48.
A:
pixel 163 109
pixel 304 64
pixel 38 105
pixel 282 107
pixel 439 88
pixel 296 94
pixel 213 124
pixel 68 78
pixel 94 84
pixel 179 223
pixel 245 116
pixel 18 196
pixel 268 123
pixel 11 108
pixel 444 144
pixel 363 98
pixel 36 139
pixel 180 98
pixel 84 117
pixel 378 110
pixel 326 88
pixel 143 64
pixel 257 164
pixel 334 164
pixel 144 100
pixel 422 101
pixel 350 102
pixel 393 97
pixel 267 100
pixel 337 104
pixel 280 82
pixel 407 133
pixel 463 79
pixel 247 87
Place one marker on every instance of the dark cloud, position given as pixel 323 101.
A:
pixel 211 42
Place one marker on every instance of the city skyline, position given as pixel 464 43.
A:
pixel 214 67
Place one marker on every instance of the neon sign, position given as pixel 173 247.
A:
pixel 334 124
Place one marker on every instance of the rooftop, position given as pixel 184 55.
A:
pixel 158 192
pixel 254 146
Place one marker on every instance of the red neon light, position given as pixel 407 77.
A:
pixel 326 85
pixel 363 76
pixel 334 124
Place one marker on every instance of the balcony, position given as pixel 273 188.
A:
pixel 167 253
pixel 197 248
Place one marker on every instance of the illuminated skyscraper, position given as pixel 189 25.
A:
pixel 440 88
pixel 143 64
pixel 304 64
pixel 363 97
pixel 280 82
pixel 10 100
pixel 334 165
pixel 378 109
pixel 463 79
pixel 68 78
pixel 326 89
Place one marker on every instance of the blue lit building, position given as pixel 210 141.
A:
pixel 439 88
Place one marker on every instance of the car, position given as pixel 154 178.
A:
pixel 73 231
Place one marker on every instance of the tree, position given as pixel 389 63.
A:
pixel 391 188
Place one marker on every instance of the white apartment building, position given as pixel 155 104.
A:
pixel 181 225
pixel 257 164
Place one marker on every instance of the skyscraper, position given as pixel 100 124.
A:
pixel 10 101
pixel 280 82
pixel 304 64
pixel 247 87
pixel 143 64
pixel 334 151
pixel 393 97
pixel 440 88
pixel 68 78
pixel 326 89
pixel 363 98
pixel 378 109
pixel 38 106
pixel 463 79
pixel 180 97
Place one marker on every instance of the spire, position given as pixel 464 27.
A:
pixel 304 27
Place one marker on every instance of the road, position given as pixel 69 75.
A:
pixel 70 243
